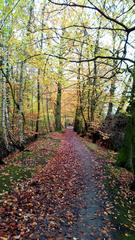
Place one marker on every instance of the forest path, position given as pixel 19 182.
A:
pixel 92 221
pixel 64 200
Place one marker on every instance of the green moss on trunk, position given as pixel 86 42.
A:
pixel 126 157
pixel 78 124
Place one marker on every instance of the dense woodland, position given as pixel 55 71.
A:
pixel 67 119
pixel 68 63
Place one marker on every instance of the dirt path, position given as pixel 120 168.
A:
pixel 64 200
pixel 92 222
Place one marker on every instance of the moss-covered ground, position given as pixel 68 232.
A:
pixel 22 165
pixel 123 214
pixel 117 183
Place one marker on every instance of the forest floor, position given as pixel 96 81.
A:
pixel 65 188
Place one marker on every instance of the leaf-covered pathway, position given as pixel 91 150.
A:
pixel 64 200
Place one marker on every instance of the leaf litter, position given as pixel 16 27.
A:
pixel 65 199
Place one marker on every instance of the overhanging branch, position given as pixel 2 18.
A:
pixel 82 60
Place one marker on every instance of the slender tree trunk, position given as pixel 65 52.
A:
pixel 21 114
pixel 82 107
pixel 113 80
pixel 5 103
pixel 112 91
pixel 58 125
pixel 78 116
pixel 14 105
pixel 38 78
pixel 38 103
pixel 4 113
pixel 93 97
pixel 89 93
pixel 58 108
pixel 93 94
pixel 30 17
pixel 32 104
pixel 47 110
pixel 80 123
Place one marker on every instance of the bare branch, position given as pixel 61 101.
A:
pixel 82 60
pixel 94 7
pixel 71 5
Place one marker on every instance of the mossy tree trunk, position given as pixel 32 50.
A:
pixel 126 156
pixel 78 123
pixel 124 96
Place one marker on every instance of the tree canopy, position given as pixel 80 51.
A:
pixel 64 62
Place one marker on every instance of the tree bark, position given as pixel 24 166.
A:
pixel 4 114
pixel 38 103
pixel 58 108
pixel 93 94
pixel 113 80
pixel 123 97
pixel 47 110
pixel 21 114
pixel 126 156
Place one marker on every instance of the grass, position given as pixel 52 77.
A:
pixel 123 213
pixel 13 174
pixel 92 146
pixel 100 151
pixel 24 164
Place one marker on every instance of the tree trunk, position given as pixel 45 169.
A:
pixel 78 125
pixel 113 79
pixel 79 115
pixel 47 111
pixel 58 125
pixel 126 156
pixel 123 97
pixel 93 95
pixel 112 92
pixel 4 114
pixel 38 104
pixel 58 108
pixel 21 114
